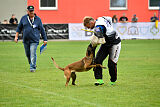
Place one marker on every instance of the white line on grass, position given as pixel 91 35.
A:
pixel 52 93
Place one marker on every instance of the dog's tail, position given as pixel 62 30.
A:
pixel 57 65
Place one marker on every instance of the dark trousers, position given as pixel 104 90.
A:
pixel 102 53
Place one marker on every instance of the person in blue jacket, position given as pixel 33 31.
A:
pixel 32 27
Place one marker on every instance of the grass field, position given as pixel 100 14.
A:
pixel 138 83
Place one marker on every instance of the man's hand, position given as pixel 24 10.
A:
pixel 45 42
pixel 14 22
pixel 16 37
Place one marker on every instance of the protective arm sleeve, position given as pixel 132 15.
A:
pixel 99 31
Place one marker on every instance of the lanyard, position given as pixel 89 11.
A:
pixel 30 21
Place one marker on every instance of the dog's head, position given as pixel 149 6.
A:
pixel 90 50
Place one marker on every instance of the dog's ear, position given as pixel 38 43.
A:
pixel 93 48
pixel 89 50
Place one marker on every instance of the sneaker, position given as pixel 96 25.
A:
pixel 32 71
pixel 99 82
pixel 112 83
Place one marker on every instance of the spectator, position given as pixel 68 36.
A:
pixel 32 27
pixel 5 22
pixel 123 19
pixel 154 18
pixel 134 18
pixel 114 19
pixel 13 20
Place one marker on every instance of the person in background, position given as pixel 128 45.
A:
pixel 114 19
pixel 154 18
pixel 32 27
pixel 123 19
pixel 13 20
pixel 134 18
pixel 5 22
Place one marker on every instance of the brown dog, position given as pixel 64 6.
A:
pixel 84 64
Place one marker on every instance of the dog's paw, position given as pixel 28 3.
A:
pixel 52 58
pixel 104 67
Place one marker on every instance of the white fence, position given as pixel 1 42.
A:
pixel 140 30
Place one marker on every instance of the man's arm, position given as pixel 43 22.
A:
pixel 10 21
pixel 16 20
pixel 43 33
pixel 120 20
pixel 19 29
pixel 126 19
pixel 16 37
pixel 152 19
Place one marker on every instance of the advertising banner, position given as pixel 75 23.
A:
pixel 72 31
pixel 56 31
pixel 8 31
pixel 140 30
pixel 53 31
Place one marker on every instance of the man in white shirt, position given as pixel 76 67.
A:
pixel 103 28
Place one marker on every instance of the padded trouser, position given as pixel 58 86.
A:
pixel 113 53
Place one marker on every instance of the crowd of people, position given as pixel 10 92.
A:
pixel 13 20
pixel 124 19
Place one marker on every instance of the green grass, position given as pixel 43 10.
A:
pixel 138 83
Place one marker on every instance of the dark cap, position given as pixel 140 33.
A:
pixel 30 8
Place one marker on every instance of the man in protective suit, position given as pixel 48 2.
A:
pixel 110 45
